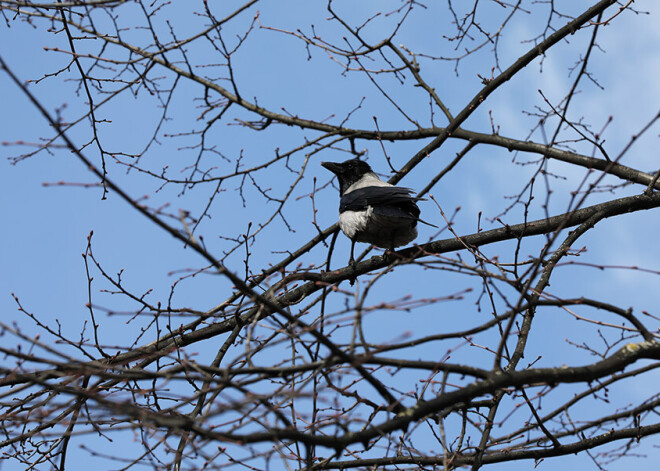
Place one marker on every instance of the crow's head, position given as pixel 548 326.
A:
pixel 348 172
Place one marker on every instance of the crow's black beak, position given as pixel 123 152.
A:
pixel 333 167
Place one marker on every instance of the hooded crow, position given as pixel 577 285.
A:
pixel 371 210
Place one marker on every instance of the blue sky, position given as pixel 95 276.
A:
pixel 47 226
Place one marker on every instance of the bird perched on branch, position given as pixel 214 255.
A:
pixel 371 210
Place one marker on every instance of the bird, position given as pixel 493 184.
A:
pixel 371 210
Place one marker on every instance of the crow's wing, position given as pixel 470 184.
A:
pixel 392 201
